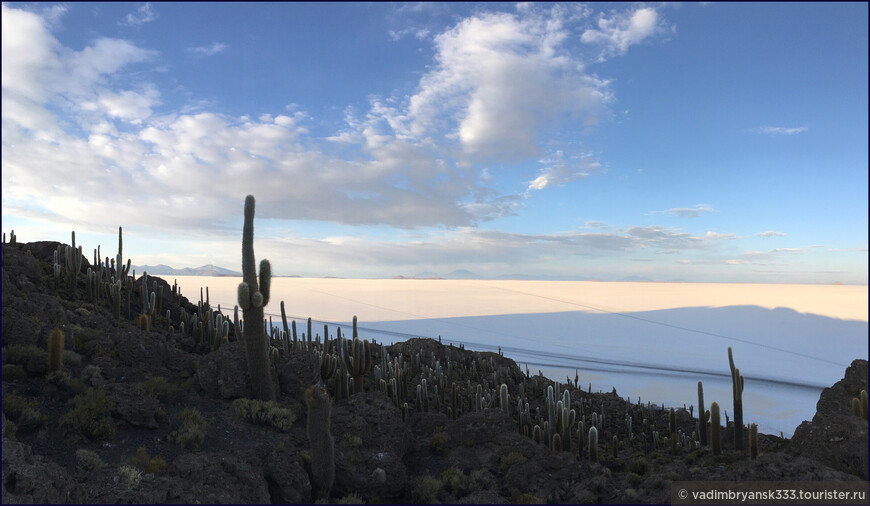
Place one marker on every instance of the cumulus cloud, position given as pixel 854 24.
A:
pixel 143 14
pixel 771 233
pixel 770 130
pixel 497 84
pixel 621 30
pixel 209 50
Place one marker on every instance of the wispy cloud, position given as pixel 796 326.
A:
pixel 621 30
pixel 687 212
pixel 770 130
pixel 771 233
pixel 209 50
pixel 144 14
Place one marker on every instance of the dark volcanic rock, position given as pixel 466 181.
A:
pixel 34 479
pixel 132 404
pixel 224 373
pixel 835 436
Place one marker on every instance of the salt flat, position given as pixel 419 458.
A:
pixel 653 340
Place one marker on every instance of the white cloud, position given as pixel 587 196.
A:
pixel 559 171
pixel 769 130
pixel 622 30
pixel 144 14
pixel 687 212
pixel 209 50
pixel 500 81
pixel 771 233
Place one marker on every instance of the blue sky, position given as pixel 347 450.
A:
pixel 694 142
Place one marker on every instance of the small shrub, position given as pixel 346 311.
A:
pixel 634 479
pixel 23 413
pixel 87 460
pixel 510 459
pixel 12 372
pixel 425 490
pixel 188 383
pixel 129 476
pixel 191 434
pixel 146 463
pixel 71 358
pixel 454 481
pixel 21 354
pixel 157 387
pixel 350 499
pixel 89 416
pixel 264 413
pixel 481 479
pixel 9 430
pixel 638 466
pixel 63 380
pixel 92 375
pixel 438 442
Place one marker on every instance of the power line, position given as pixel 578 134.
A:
pixel 678 327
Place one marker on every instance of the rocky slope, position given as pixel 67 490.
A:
pixel 74 436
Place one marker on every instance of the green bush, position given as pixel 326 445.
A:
pixel 510 459
pixel 12 372
pixel 438 442
pixel 87 460
pixel 634 479
pixel 21 354
pixel 191 434
pixel 22 412
pixel 263 413
pixel 157 387
pixel 145 463
pixel 89 416
pixel 425 490
pixel 129 476
pixel 455 481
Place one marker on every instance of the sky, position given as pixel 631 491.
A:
pixel 712 142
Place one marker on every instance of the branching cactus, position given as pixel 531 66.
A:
pixel 737 388
pixel 702 415
pixel 358 361
pixel 322 444
pixel 253 297
pixel 715 429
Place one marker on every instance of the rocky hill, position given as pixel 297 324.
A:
pixel 102 405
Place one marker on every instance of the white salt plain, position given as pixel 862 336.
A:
pixel 649 340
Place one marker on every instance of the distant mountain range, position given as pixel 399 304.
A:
pixel 165 270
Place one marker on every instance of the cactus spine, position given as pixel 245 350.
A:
pixel 715 429
pixel 702 415
pixel 55 350
pixel 737 387
pixel 322 445
pixel 253 296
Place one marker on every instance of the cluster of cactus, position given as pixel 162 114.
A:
pixel 253 295
pixel 358 359
pixel 12 238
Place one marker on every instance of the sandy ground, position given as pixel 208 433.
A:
pixel 403 299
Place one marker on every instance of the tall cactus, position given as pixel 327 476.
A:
pixel 322 449
pixel 715 429
pixel 737 388
pixel 702 416
pixel 253 296
pixel 73 264
pixel 753 440
pixel 55 350
pixel 593 444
